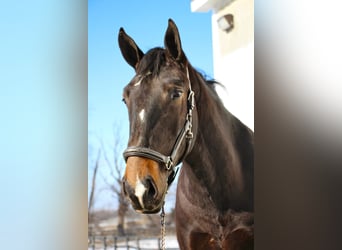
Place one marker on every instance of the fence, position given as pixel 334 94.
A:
pixel 125 243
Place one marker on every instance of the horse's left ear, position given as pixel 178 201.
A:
pixel 172 42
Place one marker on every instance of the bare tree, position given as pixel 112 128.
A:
pixel 92 191
pixel 116 166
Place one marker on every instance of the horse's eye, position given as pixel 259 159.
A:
pixel 176 94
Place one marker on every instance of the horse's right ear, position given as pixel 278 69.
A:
pixel 129 50
pixel 173 43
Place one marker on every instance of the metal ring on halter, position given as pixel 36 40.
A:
pixel 169 163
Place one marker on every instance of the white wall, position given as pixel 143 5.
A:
pixel 233 54
pixel 234 60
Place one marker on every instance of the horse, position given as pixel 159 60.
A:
pixel 175 117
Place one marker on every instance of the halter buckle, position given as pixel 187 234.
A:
pixel 189 135
pixel 168 163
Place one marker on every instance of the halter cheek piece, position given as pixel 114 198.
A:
pixel 185 134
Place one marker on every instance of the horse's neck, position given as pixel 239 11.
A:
pixel 217 157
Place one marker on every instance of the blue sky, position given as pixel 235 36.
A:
pixel 108 73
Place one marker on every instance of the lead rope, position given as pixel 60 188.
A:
pixel 162 222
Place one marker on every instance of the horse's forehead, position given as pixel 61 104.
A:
pixel 144 89
pixel 148 81
pixel 170 69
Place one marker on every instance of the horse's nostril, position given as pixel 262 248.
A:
pixel 151 189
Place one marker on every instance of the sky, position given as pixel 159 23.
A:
pixel 108 72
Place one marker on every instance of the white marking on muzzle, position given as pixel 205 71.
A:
pixel 142 115
pixel 139 191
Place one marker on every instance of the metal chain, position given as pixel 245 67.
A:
pixel 162 222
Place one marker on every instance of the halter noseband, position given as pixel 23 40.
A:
pixel 185 134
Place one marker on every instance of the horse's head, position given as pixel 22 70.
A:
pixel 160 102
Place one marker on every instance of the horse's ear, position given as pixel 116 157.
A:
pixel 172 42
pixel 129 50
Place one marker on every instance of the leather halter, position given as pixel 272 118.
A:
pixel 185 134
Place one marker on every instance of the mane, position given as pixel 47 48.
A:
pixel 210 83
pixel 152 61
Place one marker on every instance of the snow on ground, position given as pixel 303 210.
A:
pixel 144 244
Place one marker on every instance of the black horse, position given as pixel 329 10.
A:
pixel 176 116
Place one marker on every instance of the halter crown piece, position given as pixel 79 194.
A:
pixel 185 134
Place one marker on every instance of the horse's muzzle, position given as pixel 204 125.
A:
pixel 144 198
pixel 144 184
